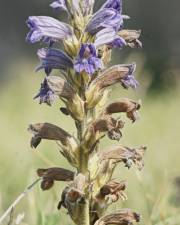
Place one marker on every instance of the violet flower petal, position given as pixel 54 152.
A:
pixel 104 18
pixel 87 60
pixel 45 95
pixel 129 80
pixel 47 29
pixel 53 59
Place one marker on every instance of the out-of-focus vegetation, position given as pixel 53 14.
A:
pixel 151 192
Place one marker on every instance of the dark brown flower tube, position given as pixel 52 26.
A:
pixel 47 131
pixel 121 217
pixel 54 174
pixel 125 105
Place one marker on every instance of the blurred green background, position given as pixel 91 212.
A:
pixel 153 192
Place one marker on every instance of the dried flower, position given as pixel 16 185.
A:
pixel 99 128
pixel 121 217
pixel 73 197
pixel 126 155
pixel 112 191
pixel 54 174
pixel 131 37
pixel 47 131
pixel 122 74
pixel 60 87
pixel 118 73
pixel 125 105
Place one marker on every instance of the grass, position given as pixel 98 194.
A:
pixel 149 192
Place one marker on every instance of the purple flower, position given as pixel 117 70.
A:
pixel 87 59
pixel 59 5
pixel 115 4
pixel 53 59
pixel 45 95
pixel 47 29
pixel 104 18
pixel 129 80
pixel 108 36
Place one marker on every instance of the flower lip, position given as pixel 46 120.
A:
pixel 87 59
pixel 129 80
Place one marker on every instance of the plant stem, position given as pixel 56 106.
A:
pixel 18 199
pixel 83 162
pixel 85 214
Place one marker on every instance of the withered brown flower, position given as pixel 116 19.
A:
pixel 112 191
pixel 108 193
pixel 125 105
pixel 74 103
pixel 121 217
pixel 125 155
pixel 60 87
pixel 122 74
pixel 47 131
pixel 73 197
pixel 98 128
pixel 131 37
pixel 54 174
pixel 111 76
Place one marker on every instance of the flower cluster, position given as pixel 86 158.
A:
pixel 83 86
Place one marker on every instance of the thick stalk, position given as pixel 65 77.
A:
pixel 83 164
pixel 84 214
